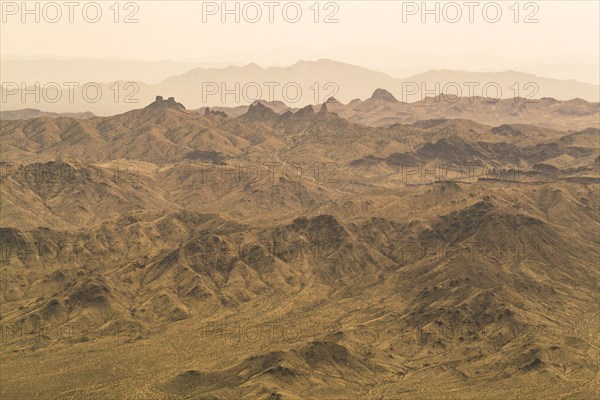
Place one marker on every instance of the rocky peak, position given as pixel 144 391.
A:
pixel 169 103
pixel 258 111
pixel 304 112
pixel 383 95
pixel 208 112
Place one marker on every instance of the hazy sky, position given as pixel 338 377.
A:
pixel 370 33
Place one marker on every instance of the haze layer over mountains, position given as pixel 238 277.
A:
pixel 297 85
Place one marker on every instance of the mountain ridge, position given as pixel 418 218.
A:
pixel 315 81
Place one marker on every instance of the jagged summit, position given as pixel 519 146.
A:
pixel 383 95
pixel 208 112
pixel 169 103
pixel 258 111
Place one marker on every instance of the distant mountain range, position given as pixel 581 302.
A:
pixel 28 113
pixel 382 109
pixel 165 131
pixel 303 83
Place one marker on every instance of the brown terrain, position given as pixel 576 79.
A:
pixel 445 249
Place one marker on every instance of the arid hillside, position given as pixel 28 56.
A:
pixel 376 250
